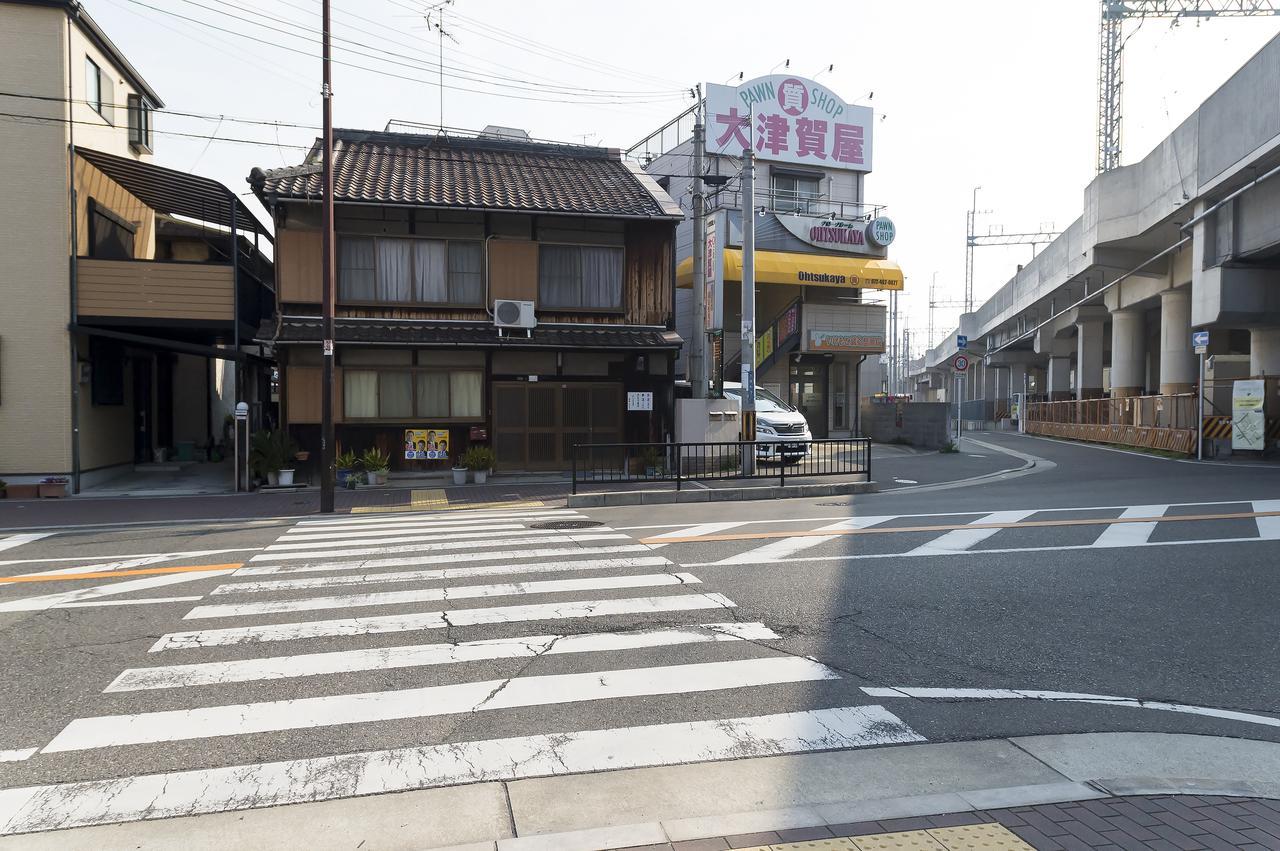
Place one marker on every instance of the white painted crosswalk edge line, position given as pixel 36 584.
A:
pixel 17 755
pixel 243 787
pixel 452 558
pixel 786 547
pixel 423 655
pixel 1268 527
pixel 421 595
pixel 525 538
pixel 410 520
pixel 420 533
pixel 439 620
pixel 959 540
pixel 443 516
pixel 1131 534
pixel 393 538
pixel 437 574
pixel 11 541
pixel 64 599
pixel 330 710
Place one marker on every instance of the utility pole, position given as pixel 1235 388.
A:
pixel 698 345
pixel 970 221
pixel 326 268
pixel 749 309
pixel 893 342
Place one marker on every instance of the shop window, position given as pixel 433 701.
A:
pixel 794 193
pixel 110 237
pixel 412 271
pixel 419 394
pixel 579 277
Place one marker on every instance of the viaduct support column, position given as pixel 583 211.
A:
pixel 1128 353
pixel 1178 365
pixel 1058 378
pixel 1089 357
pixel 1264 351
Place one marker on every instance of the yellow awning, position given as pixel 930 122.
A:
pixel 809 270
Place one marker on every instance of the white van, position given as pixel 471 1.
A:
pixel 777 423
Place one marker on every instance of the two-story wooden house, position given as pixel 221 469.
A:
pixel 508 292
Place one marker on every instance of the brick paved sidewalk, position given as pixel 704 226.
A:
pixel 1164 823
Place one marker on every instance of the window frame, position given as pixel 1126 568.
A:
pixel 621 309
pixel 793 200
pixel 140 111
pixel 97 208
pixel 95 97
pixel 414 302
pixel 412 372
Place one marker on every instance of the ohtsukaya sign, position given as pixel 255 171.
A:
pixel 788 119
pixel 835 234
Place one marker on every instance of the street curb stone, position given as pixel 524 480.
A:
pixel 615 498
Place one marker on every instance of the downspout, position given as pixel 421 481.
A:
pixel 73 271
pixel 857 397
pixel 235 303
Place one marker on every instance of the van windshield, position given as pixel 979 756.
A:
pixel 765 401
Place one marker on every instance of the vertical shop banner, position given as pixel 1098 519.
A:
pixel 426 444
pixel 789 119
pixel 711 290
pixel 1248 419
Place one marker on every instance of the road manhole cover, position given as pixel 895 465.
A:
pixel 566 524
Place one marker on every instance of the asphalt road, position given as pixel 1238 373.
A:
pixel 1039 593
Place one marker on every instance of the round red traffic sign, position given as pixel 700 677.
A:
pixel 960 363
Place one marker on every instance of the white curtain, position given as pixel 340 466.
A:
pixel 393 270
pixel 360 393
pixel 395 395
pixel 465 392
pixel 602 277
pixel 355 269
pixel 466 283
pixel 559 276
pixel 433 394
pixel 430 270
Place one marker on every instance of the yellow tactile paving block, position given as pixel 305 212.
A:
pixel 842 844
pixel 978 837
pixel 435 499
pixel 906 840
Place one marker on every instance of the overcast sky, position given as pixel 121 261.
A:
pixel 1000 94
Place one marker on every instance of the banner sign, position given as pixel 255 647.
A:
pixel 426 444
pixel 788 119
pixel 709 278
pixel 845 341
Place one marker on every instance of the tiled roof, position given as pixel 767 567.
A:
pixel 481 335
pixel 473 173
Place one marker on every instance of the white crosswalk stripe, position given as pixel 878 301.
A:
pixel 293 651
pixel 1131 534
pixel 959 540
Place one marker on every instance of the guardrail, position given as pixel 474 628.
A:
pixel 595 463
pixel 1154 422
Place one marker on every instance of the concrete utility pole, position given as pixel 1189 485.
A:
pixel 698 345
pixel 329 289
pixel 749 306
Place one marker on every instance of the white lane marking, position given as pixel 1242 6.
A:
pixel 11 541
pixel 438 573
pixel 959 540
pixel 124 562
pixel 1268 527
pixel 430 701
pixel 906 481
pixel 61 599
pixel 17 755
pixel 452 558
pixel 525 538
pixel 242 787
pixel 440 620
pixel 1131 534
pixel 145 601
pixel 991 551
pixel 329 542
pixel 416 521
pixel 1071 697
pixel 702 529
pixel 784 548
pixel 423 655
pixel 443 516
pixel 413 533
pixel 422 595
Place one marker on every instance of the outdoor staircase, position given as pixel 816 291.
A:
pixel 781 337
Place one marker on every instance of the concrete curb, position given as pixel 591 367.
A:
pixel 1031 464
pixel 615 498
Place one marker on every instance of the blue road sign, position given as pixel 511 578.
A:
pixel 962 342
pixel 1199 338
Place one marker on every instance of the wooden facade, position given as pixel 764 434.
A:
pixel 148 289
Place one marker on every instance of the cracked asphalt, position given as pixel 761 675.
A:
pixel 1192 623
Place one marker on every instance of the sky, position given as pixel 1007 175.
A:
pixel 999 94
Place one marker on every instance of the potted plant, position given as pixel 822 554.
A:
pixel 377 465
pixel 460 471
pixel 53 487
pixel 479 460
pixel 652 459
pixel 269 454
pixel 345 465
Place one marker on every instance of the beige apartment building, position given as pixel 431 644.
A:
pixel 120 335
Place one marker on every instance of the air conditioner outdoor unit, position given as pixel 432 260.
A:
pixel 508 313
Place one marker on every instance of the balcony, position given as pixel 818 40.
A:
pixel 155 289
pixel 797 203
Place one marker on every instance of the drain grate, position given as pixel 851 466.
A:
pixel 566 524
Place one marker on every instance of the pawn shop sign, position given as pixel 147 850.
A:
pixel 960 363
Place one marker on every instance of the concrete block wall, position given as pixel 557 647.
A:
pixel 926 425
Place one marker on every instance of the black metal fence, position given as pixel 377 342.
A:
pixel 596 463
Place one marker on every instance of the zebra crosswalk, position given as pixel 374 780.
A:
pixel 408 631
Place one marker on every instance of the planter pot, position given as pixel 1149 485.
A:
pixel 482 476
pixel 459 475
pixel 161 455
pixel 52 491
pixel 285 477
pixel 24 491
pixel 342 476
pixel 379 477
pixel 273 478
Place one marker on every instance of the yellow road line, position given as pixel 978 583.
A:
pixel 950 527
pixel 111 574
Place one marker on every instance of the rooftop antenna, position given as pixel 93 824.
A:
pixel 439 8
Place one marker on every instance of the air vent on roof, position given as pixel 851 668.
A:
pixel 493 131
pixel 513 314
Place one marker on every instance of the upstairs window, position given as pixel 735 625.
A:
pixel 579 277
pixel 110 237
pixel 99 90
pixel 139 123
pixel 794 193
pixel 415 271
